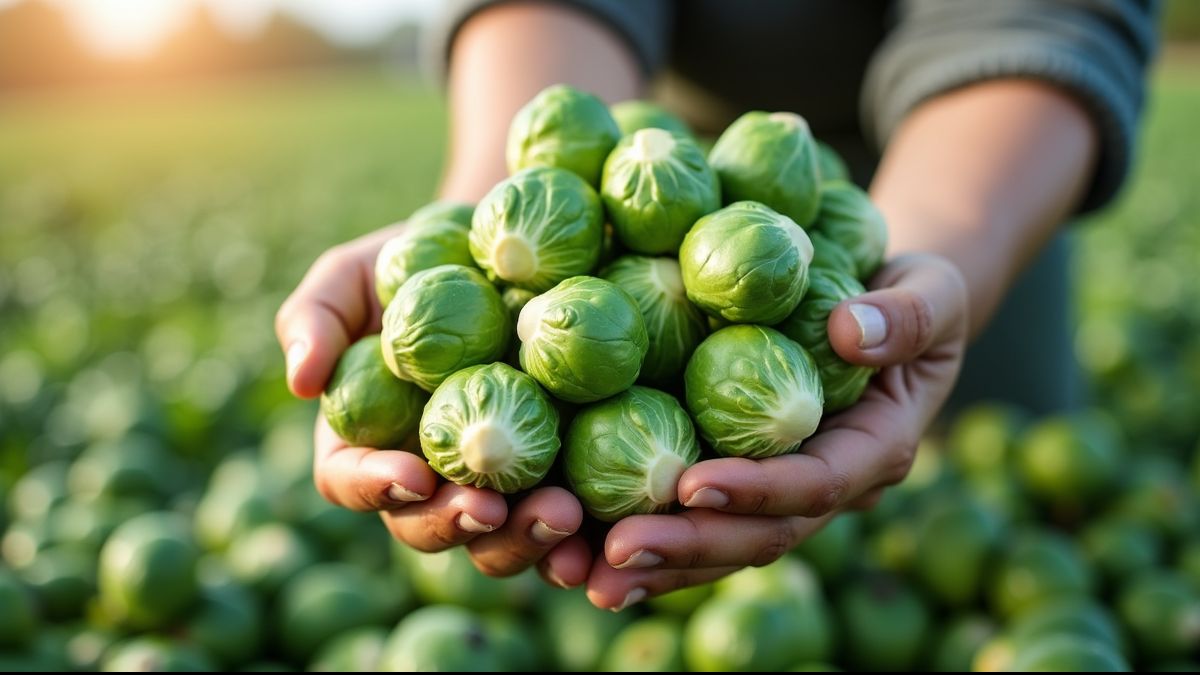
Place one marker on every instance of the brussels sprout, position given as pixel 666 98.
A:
pixel 490 426
pixel 632 116
pixel 419 246
pixel 441 321
pixel 849 218
pixel 366 404
pixel 625 455
pixel 830 165
pixel 584 340
pixel 565 128
pixel 753 392
pixel 770 158
pixel 842 382
pixel 746 263
pixel 673 324
pixel 440 638
pixel 537 228
pixel 830 255
pixel 459 212
pixel 655 186
pixel 515 300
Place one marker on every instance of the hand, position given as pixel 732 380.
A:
pixel 333 306
pixel 914 326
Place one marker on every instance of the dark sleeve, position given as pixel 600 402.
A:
pixel 643 24
pixel 1098 50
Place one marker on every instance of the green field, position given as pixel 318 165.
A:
pixel 147 236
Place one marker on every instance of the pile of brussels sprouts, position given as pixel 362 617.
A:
pixel 618 292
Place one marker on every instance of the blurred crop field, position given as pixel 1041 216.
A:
pixel 149 233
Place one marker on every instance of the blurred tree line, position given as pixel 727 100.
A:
pixel 38 47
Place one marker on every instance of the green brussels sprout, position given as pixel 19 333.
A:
pixel 584 340
pixel 770 158
pixel 625 455
pixel 440 638
pixel 636 115
pixel 147 571
pixel 656 185
pixel 830 255
pixel 537 228
pixel 674 326
pixel 849 218
pixel 753 392
pixel 746 263
pixel 419 246
pixel 442 320
pixel 490 426
pixel 565 128
pixel 830 165
pixel 445 209
pixel 842 382
pixel 515 300
pixel 366 404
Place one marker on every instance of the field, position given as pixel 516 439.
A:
pixel 148 235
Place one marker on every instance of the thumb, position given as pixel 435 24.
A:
pixel 922 303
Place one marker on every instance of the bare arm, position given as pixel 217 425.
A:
pixel 984 176
pixel 503 57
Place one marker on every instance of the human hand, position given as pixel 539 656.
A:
pixel 914 325
pixel 333 306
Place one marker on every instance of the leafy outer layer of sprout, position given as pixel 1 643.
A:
pixel 830 165
pixel 655 186
pixel 537 228
pixel 770 158
pixel 584 340
pixel 490 426
pixel 442 320
pixel 419 246
pixel 635 115
pixel 444 209
pixel 625 455
pixel 849 218
pixel 753 392
pixel 674 326
pixel 746 263
pixel 842 382
pixel 565 128
pixel 366 404
pixel 830 255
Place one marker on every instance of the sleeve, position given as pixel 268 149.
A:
pixel 644 24
pixel 1098 50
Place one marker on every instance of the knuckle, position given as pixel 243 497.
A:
pixel 325 488
pixel 898 469
pixel 831 491
pixel 778 542
pixel 491 567
pixel 921 322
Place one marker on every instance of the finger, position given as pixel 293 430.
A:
pixel 366 479
pixel 843 461
pixel 616 590
pixel 567 565
pixel 703 538
pixel 537 524
pixel 334 305
pixel 923 302
pixel 868 501
pixel 454 515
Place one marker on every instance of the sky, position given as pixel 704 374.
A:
pixel 128 28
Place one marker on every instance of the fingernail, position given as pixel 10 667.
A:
pixel 872 324
pixel 399 493
pixel 468 524
pixel 707 498
pixel 544 534
pixel 632 598
pixel 296 352
pixel 554 578
pixel 640 558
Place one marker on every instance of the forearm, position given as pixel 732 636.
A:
pixel 504 56
pixel 984 176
